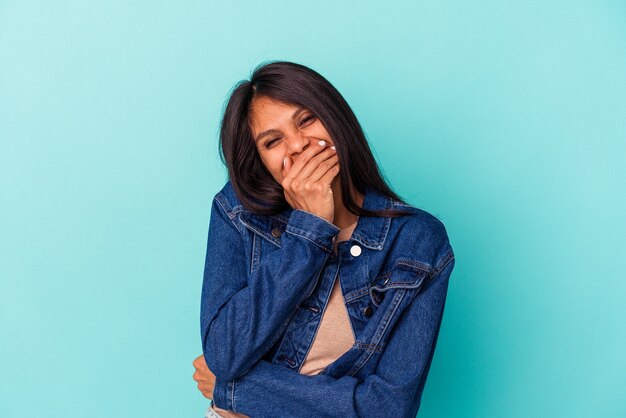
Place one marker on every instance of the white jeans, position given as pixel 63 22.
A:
pixel 210 413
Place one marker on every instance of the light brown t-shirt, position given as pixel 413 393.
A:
pixel 334 336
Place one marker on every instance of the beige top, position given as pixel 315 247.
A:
pixel 334 335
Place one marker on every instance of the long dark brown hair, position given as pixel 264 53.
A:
pixel 296 84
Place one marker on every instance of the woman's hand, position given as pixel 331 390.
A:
pixel 204 377
pixel 307 181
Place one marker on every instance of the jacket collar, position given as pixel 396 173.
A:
pixel 370 231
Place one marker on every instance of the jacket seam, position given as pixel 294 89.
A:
pixel 294 232
pixel 446 260
pixel 253 253
pixel 232 396
pixel 230 214
pixel 377 348
pixel 223 201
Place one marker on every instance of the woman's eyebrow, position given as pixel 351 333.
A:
pixel 270 131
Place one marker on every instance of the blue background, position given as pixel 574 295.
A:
pixel 503 118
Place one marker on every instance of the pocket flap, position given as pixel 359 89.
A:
pixel 404 274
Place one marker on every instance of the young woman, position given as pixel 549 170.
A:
pixel 323 290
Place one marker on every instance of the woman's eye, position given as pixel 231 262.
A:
pixel 270 142
pixel 307 119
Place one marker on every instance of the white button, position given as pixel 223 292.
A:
pixel 355 250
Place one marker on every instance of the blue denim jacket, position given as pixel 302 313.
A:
pixel 267 280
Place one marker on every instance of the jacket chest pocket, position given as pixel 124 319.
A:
pixel 404 275
pixel 376 309
pixel 383 300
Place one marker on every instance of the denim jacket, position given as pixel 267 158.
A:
pixel 267 280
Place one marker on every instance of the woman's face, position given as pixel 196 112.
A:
pixel 283 130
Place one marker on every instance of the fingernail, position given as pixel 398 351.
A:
pixel 333 147
pixel 284 162
pixel 322 143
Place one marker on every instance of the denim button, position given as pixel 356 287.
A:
pixel 355 250
pixel 368 311
pixel 276 232
pixel 291 362
pixel 310 308
pixel 284 358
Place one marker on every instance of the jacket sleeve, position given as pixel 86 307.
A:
pixel 394 390
pixel 242 314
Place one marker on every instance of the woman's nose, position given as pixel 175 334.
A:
pixel 297 143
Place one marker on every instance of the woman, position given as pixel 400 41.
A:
pixel 323 290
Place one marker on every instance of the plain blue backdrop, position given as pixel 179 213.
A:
pixel 503 118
